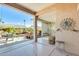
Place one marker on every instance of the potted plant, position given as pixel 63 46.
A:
pixel 51 39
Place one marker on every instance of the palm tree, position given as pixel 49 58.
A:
pixel 1 20
pixel 24 22
pixel 24 25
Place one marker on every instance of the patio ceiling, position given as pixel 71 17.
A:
pixel 52 12
pixel 32 8
pixel 46 11
pixel 36 6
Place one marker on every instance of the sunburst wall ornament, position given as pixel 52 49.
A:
pixel 67 24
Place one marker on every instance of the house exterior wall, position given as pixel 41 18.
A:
pixel 70 38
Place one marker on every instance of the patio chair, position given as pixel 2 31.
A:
pixel 29 35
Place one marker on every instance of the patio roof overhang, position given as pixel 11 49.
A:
pixel 22 8
pixel 36 9
pixel 41 7
pixel 45 11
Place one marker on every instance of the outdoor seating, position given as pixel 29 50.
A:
pixel 29 35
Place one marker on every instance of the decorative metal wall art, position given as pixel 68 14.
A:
pixel 67 24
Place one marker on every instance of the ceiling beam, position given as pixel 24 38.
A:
pixel 48 22
pixel 22 8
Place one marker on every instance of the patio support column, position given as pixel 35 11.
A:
pixel 35 27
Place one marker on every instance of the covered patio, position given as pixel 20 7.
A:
pixel 50 15
pixel 30 48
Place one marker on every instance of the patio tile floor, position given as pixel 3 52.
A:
pixel 30 48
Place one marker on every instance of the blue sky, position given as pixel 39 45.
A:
pixel 11 16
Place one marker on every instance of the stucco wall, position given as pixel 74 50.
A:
pixel 70 38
